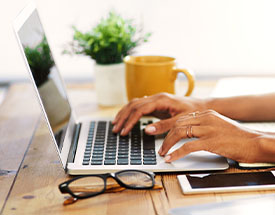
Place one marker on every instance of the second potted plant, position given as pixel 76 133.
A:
pixel 108 43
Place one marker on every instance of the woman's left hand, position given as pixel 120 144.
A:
pixel 216 133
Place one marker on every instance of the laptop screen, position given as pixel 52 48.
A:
pixel 45 76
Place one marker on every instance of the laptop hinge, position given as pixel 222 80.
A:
pixel 73 148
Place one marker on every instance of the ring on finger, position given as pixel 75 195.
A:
pixel 194 114
pixel 191 132
pixel 188 131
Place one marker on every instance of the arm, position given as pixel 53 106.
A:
pixel 245 108
pixel 168 107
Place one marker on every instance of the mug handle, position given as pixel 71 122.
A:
pixel 190 77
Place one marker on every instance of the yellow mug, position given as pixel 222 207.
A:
pixel 148 75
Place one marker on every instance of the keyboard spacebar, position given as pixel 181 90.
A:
pixel 148 141
pixel 149 154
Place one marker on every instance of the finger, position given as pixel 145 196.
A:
pixel 118 114
pixel 187 148
pixel 124 108
pixel 195 115
pixel 117 117
pixel 178 133
pixel 124 114
pixel 160 126
pixel 137 112
pixel 186 120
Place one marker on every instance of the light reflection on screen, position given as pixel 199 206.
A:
pixel 46 76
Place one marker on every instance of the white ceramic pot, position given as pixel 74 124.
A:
pixel 110 84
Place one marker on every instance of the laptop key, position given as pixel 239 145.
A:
pixel 87 156
pixel 135 154
pixel 149 158
pixel 109 162
pixel 96 162
pixel 123 153
pixel 89 144
pixel 113 157
pixel 136 158
pixel 122 161
pixel 98 152
pixel 110 153
pixel 85 163
pixel 110 150
pixel 149 151
pixel 135 162
pixel 135 151
pixel 97 155
pixel 97 159
pixel 123 156
pixel 149 162
pixel 97 149
pixel 111 147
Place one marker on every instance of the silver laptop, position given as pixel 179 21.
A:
pixel 89 146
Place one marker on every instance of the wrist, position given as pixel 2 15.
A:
pixel 266 148
pixel 231 107
pixel 213 104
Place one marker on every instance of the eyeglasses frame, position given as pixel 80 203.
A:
pixel 64 187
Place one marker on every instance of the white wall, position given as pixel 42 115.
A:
pixel 213 37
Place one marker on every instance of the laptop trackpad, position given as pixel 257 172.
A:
pixel 198 161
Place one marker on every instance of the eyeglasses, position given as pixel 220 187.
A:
pixel 83 187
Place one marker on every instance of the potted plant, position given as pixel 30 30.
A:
pixel 108 43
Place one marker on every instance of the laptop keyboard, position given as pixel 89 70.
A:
pixel 103 147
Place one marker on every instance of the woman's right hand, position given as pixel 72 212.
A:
pixel 164 106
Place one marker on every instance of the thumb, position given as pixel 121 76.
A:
pixel 160 126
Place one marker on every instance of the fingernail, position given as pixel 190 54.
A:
pixel 122 131
pixel 150 129
pixel 167 158
pixel 114 128
pixel 160 150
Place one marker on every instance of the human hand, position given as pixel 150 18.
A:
pixel 163 106
pixel 216 133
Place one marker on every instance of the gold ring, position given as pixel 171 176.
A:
pixel 189 131
pixel 194 114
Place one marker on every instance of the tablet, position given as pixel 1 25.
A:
pixel 227 182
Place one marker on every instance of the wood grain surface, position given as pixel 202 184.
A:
pixel 19 114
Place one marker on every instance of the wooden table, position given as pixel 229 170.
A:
pixel 30 170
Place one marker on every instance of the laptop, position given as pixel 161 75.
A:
pixel 88 146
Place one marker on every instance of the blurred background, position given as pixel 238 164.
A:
pixel 215 38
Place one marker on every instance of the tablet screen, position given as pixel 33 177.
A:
pixel 232 180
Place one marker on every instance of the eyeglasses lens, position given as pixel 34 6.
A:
pixel 87 185
pixel 135 179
